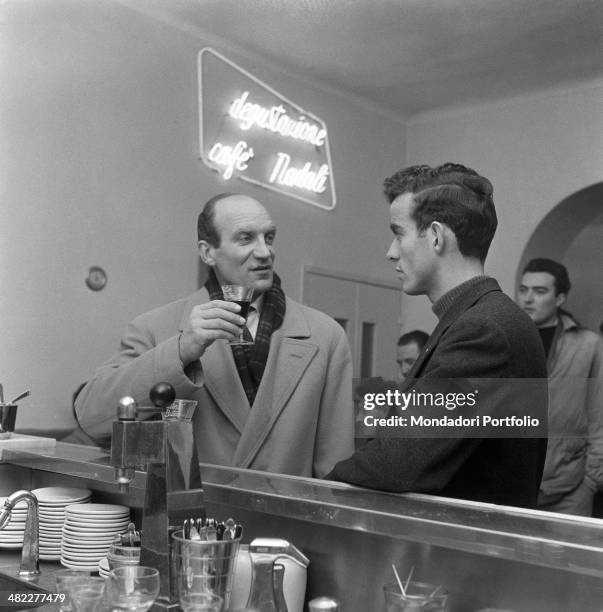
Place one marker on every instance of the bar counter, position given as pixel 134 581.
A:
pixel 484 555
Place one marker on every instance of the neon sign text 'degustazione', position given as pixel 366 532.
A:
pixel 276 120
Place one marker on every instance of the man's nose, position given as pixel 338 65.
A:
pixel 392 253
pixel 262 250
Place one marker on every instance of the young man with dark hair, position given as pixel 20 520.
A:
pixel 443 220
pixel 573 470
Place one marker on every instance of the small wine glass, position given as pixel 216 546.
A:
pixel 132 588
pixel 242 295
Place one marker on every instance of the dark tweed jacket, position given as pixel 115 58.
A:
pixel 481 334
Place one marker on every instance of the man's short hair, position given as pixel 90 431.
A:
pixel 416 335
pixel 555 269
pixel 206 226
pixel 403 181
pixel 454 195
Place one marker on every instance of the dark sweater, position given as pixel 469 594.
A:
pixel 481 334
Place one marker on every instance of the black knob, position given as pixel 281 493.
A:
pixel 162 394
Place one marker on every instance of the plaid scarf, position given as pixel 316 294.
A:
pixel 251 360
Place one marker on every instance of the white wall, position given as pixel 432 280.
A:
pixel 536 150
pixel 98 155
pixel 98 122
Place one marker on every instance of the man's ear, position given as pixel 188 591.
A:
pixel 438 236
pixel 206 253
pixel 560 299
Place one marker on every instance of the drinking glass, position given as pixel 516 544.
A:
pixel 203 567
pixel 242 296
pixel 119 555
pixel 179 410
pixel 132 588
pixel 419 597
pixel 201 602
pixel 8 413
pixel 63 579
pixel 86 593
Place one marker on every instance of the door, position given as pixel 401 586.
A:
pixel 368 309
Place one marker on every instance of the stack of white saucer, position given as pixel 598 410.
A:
pixel 52 502
pixel 88 532
pixel 12 535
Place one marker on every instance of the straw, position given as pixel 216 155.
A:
pixel 19 397
pixel 402 589
pixel 435 590
pixel 412 569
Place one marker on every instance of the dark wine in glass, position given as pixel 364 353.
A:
pixel 244 304
pixel 241 295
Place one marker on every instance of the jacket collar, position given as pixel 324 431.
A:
pixel 567 322
pixel 464 299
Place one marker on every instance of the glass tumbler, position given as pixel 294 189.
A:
pixel 203 567
pixel 132 588
pixel 119 555
pixel 87 593
pixel 201 602
pixel 419 597
pixel 63 580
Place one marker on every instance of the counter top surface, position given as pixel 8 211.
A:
pixel 9 564
pixel 573 543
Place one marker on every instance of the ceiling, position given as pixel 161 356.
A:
pixel 409 56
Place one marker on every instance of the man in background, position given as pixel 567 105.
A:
pixel 443 220
pixel 408 349
pixel 573 470
pixel 282 405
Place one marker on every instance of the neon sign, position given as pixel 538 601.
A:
pixel 251 132
pixel 275 119
pixel 231 158
pixel 298 177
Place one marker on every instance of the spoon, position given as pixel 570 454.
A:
pixel 24 394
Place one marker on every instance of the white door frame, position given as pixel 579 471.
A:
pixel 355 278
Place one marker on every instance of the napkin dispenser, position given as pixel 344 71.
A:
pixel 265 550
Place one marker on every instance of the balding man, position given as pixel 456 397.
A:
pixel 283 404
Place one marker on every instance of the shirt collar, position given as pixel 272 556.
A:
pixel 258 303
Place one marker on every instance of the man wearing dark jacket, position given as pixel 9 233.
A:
pixel 443 220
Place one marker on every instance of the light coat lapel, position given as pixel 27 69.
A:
pixel 224 383
pixel 287 362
